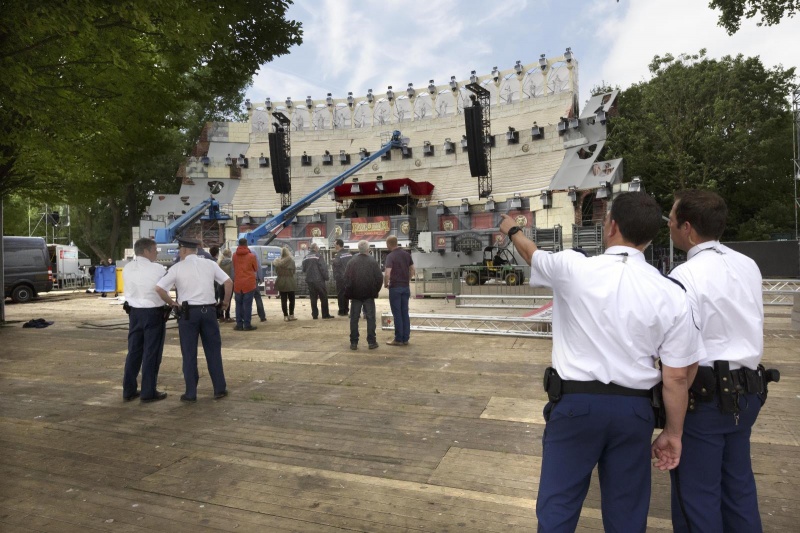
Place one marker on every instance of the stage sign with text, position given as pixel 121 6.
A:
pixel 370 228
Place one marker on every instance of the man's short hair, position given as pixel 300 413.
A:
pixel 142 245
pixel 391 242
pixel 363 247
pixel 638 217
pixel 214 251
pixel 340 243
pixel 314 247
pixel 704 210
pixel 242 242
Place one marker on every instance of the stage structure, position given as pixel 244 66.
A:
pixel 542 168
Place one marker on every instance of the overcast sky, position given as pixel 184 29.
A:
pixel 355 45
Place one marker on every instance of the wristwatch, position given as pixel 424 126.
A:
pixel 513 231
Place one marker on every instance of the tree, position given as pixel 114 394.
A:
pixel 98 100
pixel 723 125
pixel 772 11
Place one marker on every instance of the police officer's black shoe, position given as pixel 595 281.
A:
pixel 250 328
pixel 131 397
pixel 354 346
pixel 185 398
pixel 220 395
pixel 159 396
pixel 238 328
pixel 327 317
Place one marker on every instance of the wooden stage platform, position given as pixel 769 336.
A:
pixel 441 435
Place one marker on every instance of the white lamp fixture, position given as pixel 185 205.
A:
pixel 246 218
pixel 350 99
pixel 543 62
pixel 547 199
pixel 572 194
pixel 316 216
pixel 604 190
pixel 263 161
pixel 464 207
pixel 489 204
pixel 537 132
pixel 518 67
pixel 449 146
pixel 289 102
pixel 431 87
pixel 355 188
pixel 309 102
pixel 635 185
pixel 473 78
pixel 268 104
pixel 410 91
pixel 389 93
pixel 568 55
pixel 440 208
pixel 453 84
pixel 370 96
pixel 248 105
pixel 329 100
pixel 516 201
pixel 228 161
pixel 404 190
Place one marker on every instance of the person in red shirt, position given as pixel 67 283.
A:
pixel 245 266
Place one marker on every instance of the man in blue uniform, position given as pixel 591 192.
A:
pixel 613 315
pixel 713 488
pixel 193 278
pixel 146 322
pixel 316 271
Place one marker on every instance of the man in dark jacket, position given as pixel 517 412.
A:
pixel 340 259
pixel 316 271
pixel 363 280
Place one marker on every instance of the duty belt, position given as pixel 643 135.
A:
pixel 725 385
pixel 557 387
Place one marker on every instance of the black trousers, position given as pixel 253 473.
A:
pixel 318 291
pixel 146 332
pixel 287 296
pixel 341 299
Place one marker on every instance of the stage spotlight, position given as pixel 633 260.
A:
pixel 543 62
pixel 518 67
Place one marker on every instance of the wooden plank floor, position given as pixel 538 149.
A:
pixel 442 435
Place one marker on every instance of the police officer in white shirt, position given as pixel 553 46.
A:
pixel 146 327
pixel 713 488
pixel 613 315
pixel 193 278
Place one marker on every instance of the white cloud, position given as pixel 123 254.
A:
pixel 678 26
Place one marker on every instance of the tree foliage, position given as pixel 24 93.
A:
pixel 723 125
pixel 99 100
pixel 772 11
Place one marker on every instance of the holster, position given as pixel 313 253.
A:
pixel 127 307
pixel 659 408
pixel 726 388
pixel 166 312
pixel 552 384
pixel 185 310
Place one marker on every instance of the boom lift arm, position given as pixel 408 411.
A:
pixel 171 232
pixel 273 226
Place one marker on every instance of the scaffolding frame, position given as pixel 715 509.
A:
pixel 483 97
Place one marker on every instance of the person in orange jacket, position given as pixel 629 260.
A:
pixel 245 266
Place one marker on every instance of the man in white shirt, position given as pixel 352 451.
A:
pixel 613 316
pixel 146 327
pixel 713 489
pixel 193 278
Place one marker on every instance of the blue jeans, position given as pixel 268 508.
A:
pixel 259 304
pixel 398 300
pixel 355 312
pixel 244 308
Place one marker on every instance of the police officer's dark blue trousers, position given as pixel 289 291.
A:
pixel 713 486
pixel 145 345
pixel 202 322
pixel 584 430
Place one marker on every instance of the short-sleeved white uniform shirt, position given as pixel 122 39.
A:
pixel 614 315
pixel 193 278
pixel 139 278
pixel 725 288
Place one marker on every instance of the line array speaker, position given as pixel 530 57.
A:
pixel 473 120
pixel 279 163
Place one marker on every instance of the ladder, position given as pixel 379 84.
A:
pixel 539 326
